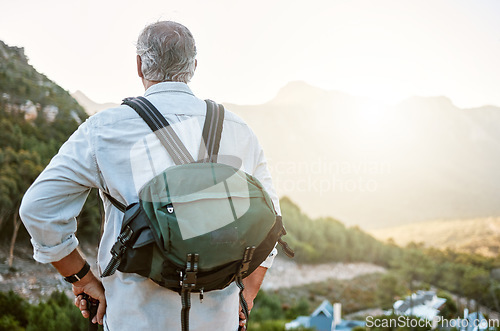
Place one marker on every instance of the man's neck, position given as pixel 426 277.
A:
pixel 148 83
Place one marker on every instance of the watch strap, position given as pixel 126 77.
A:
pixel 79 275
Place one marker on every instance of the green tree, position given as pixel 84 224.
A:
pixel 450 309
pixel 18 169
pixel 9 323
pixel 57 313
pixel 388 289
pixel 15 307
pixel 475 284
pixel 415 266
pixel 301 308
pixel 266 307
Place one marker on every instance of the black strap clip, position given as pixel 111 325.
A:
pixel 288 251
pixel 189 279
pixel 117 251
pixel 245 263
pixel 120 245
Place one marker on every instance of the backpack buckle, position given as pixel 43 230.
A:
pixel 189 279
pixel 247 258
pixel 120 245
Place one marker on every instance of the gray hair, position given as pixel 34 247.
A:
pixel 167 51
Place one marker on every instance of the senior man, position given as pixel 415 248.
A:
pixel 105 153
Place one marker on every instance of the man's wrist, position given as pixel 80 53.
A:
pixel 88 278
pixel 79 275
pixel 70 264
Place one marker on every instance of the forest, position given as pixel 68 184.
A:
pixel 37 116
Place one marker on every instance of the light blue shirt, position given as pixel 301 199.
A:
pixel 107 152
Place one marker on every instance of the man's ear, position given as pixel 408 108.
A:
pixel 195 63
pixel 139 67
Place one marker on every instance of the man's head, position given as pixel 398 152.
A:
pixel 166 52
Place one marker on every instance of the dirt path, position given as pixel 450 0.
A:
pixel 285 273
pixel 34 280
pixel 30 279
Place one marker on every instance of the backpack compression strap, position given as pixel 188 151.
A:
pixel 212 131
pixel 120 206
pixel 160 126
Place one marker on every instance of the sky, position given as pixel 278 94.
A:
pixel 384 49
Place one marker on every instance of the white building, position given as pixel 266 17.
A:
pixel 423 304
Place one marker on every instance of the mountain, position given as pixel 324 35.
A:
pixel 478 236
pixel 36 117
pixel 375 165
pixel 26 92
pixel 90 106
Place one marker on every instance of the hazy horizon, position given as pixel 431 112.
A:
pixel 273 97
pixel 388 50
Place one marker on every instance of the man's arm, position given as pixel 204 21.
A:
pixel 252 285
pixel 261 172
pixel 253 282
pixel 89 284
pixel 51 205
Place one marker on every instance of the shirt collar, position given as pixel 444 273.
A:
pixel 168 87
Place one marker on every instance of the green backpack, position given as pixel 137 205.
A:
pixel 198 225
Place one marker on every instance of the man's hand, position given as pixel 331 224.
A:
pixel 93 287
pixel 89 284
pixel 252 285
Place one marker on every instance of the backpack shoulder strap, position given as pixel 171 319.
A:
pixel 212 131
pixel 160 126
pixel 120 206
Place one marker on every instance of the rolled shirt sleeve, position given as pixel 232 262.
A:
pixel 50 206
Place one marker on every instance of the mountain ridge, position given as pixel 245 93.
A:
pixel 430 158
pixel 476 236
pixel 89 105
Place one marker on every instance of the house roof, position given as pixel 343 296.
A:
pixel 423 311
pixel 437 302
pixel 303 321
pixel 425 304
pixel 325 307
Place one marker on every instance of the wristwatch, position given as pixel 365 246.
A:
pixel 79 275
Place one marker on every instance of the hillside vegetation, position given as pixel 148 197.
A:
pixel 36 117
pixel 328 240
